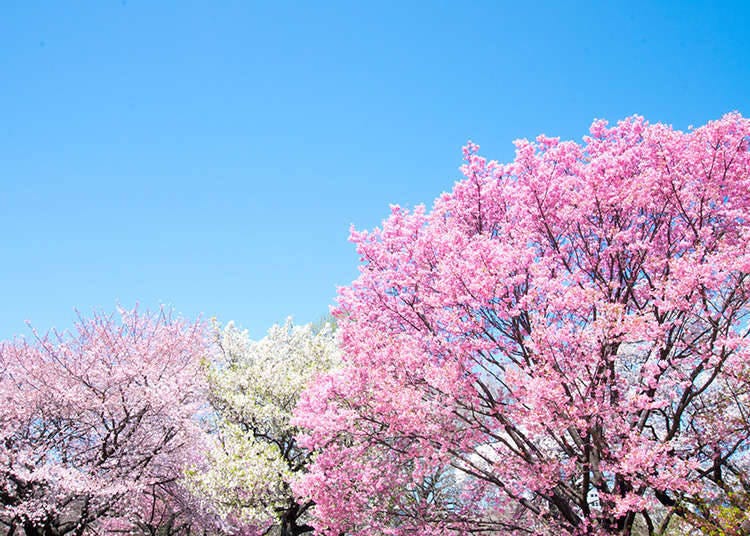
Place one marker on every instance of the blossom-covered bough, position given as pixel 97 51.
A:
pixel 254 387
pixel 564 338
pixel 97 426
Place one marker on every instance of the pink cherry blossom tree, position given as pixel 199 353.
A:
pixel 558 347
pixel 97 426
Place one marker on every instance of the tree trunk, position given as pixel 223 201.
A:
pixel 288 519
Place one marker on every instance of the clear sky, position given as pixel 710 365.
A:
pixel 212 155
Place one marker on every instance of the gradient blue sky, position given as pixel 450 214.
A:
pixel 212 155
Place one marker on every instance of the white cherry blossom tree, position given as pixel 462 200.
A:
pixel 254 388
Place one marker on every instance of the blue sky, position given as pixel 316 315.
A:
pixel 212 155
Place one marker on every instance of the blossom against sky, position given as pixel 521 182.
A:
pixel 212 156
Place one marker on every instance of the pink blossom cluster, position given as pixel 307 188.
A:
pixel 97 426
pixel 572 323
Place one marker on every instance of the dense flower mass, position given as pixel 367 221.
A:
pixel 141 425
pixel 98 425
pixel 254 387
pixel 558 347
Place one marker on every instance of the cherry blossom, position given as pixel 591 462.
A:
pixel 97 425
pixel 254 387
pixel 570 325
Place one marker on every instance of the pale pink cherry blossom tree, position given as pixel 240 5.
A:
pixel 96 425
pixel 564 337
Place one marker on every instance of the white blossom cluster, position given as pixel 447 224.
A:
pixel 254 388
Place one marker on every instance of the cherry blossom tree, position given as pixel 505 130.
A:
pixel 558 347
pixel 254 387
pixel 96 426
